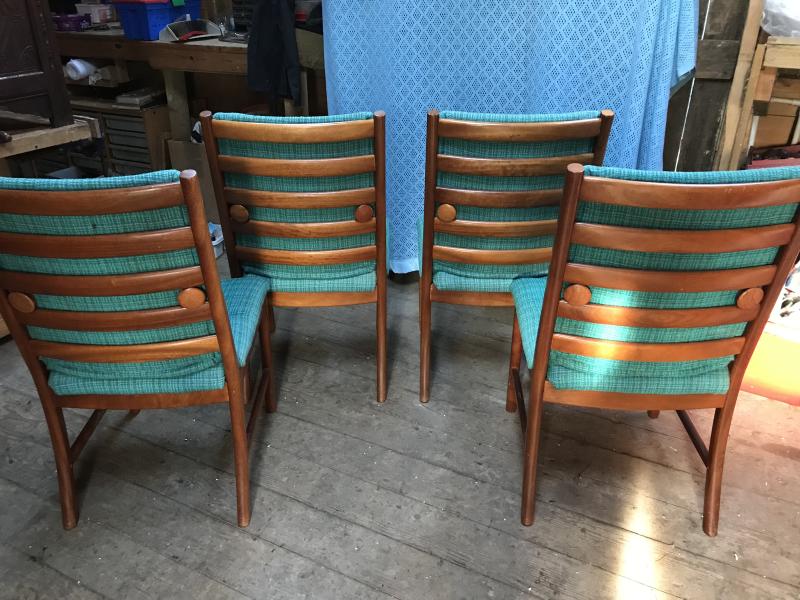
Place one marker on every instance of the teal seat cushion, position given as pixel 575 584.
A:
pixel 244 298
pixel 450 282
pixel 357 283
pixel 574 372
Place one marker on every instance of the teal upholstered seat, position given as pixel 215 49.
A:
pixel 244 297
pixel 452 276
pixel 708 376
pixel 344 277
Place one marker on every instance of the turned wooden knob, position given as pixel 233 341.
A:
pixel 191 297
pixel 578 294
pixel 750 298
pixel 239 213
pixel 22 302
pixel 364 213
pixel 446 213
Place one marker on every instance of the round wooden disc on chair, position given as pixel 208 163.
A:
pixel 750 298
pixel 364 213
pixel 239 213
pixel 578 294
pixel 191 297
pixel 446 213
pixel 22 302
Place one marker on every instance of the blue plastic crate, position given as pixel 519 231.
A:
pixel 144 20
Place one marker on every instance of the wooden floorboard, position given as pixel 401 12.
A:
pixel 356 500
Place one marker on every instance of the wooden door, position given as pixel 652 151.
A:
pixel 31 78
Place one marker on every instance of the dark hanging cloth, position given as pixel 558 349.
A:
pixel 273 63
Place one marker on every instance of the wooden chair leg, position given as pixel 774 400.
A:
pixel 532 436
pixel 653 414
pixel 716 460
pixel 240 458
pixel 61 451
pixel 514 363
pixel 264 329
pixel 133 413
pixel 424 346
pixel 271 318
pixel 381 381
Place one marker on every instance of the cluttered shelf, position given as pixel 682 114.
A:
pixel 201 56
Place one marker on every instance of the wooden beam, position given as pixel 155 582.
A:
pixel 733 111
pixel 716 59
pixel 782 53
pixel 36 139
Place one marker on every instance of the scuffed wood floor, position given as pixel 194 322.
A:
pixel 355 500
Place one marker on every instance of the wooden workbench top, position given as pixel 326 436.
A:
pixel 202 56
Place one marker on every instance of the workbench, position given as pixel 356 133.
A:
pixel 176 59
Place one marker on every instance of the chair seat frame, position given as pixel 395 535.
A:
pixel 541 390
pixel 237 384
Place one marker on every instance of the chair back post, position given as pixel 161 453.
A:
pixel 212 153
pixel 429 208
pixel 555 278
pixel 190 185
pixel 606 120
pixel 380 197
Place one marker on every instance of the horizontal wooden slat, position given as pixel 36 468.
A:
pixel 302 257
pixel 305 133
pixel 681 241
pixel 613 350
pixel 116 321
pixel 526 199
pixel 90 202
pixel 689 197
pixel 97 246
pixel 669 281
pixel 518 132
pixel 142 401
pixel 509 167
pixel 620 401
pixel 496 228
pixel 648 317
pixel 264 199
pixel 132 353
pixel 471 298
pixel 312 299
pixel 305 230
pixel 101 285
pixel 492 257
pixel 273 167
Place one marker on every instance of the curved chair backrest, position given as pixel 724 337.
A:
pixel 493 185
pixel 300 197
pixel 102 279
pixel 661 283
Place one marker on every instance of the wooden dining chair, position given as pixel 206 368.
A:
pixel 110 289
pixel 302 203
pixel 493 184
pixel 659 288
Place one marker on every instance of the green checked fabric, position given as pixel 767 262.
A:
pixel 567 371
pixel 498 278
pixel 349 277
pixel 168 376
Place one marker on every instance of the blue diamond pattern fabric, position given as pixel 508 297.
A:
pixel 503 57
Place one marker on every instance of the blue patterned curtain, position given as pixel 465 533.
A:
pixel 530 56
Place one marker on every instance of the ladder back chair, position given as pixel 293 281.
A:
pixel 110 289
pixel 659 288
pixel 302 203
pixel 493 183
